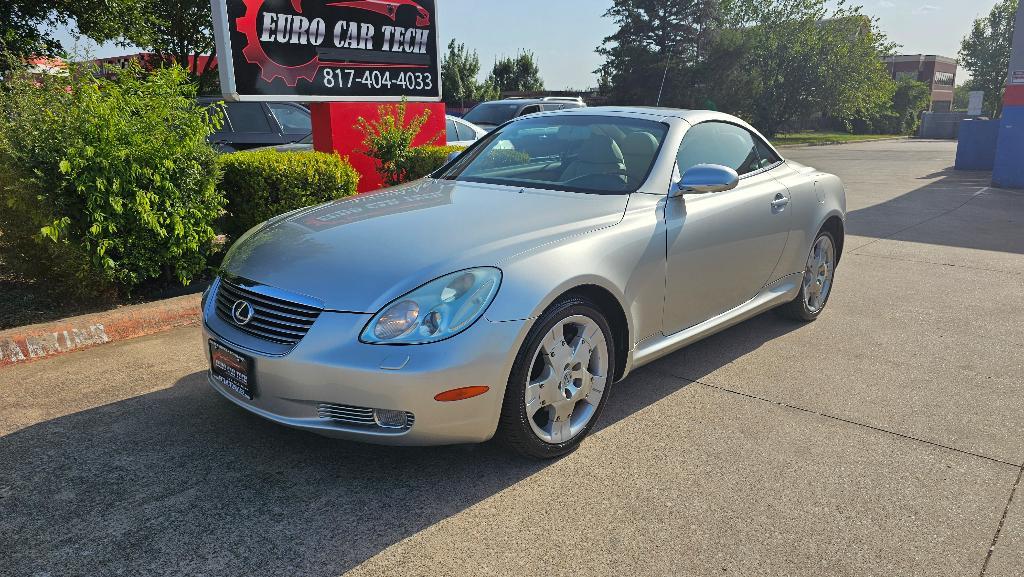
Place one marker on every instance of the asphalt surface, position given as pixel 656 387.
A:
pixel 884 439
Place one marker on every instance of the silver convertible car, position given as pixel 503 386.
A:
pixel 503 295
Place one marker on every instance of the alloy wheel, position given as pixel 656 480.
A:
pixel 821 266
pixel 567 379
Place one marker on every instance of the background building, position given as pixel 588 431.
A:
pixel 149 60
pixel 939 72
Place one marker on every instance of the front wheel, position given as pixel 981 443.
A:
pixel 559 382
pixel 816 285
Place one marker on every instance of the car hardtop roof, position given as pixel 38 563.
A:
pixel 650 113
pixel 538 100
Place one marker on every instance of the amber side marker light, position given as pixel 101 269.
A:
pixel 461 394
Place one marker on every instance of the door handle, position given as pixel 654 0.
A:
pixel 780 202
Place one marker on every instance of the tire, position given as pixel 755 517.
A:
pixel 576 390
pixel 817 282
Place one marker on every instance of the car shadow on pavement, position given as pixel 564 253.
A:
pixel 959 209
pixel 180 481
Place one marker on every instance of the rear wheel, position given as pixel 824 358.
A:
pixel 816 285
pixel 560 381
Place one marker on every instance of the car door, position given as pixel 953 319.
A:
pixel 723 247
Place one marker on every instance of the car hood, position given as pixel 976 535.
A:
pixel 358 254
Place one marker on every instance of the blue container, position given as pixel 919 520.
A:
pixel 1009 162
pixel 976 149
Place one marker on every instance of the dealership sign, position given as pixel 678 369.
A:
pixel 327 50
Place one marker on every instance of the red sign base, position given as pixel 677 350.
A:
pixel 335 130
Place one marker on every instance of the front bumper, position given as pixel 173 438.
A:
pixel 330 365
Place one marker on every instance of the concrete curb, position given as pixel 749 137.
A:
pixel 26 344
pixel 840 143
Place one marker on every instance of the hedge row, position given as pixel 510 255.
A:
pixel 259 185
pixel 106 184
pixel 109 184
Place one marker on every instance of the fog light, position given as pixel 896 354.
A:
pixel 389 419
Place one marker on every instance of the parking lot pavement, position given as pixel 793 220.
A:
pixel 883 439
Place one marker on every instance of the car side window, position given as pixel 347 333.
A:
pixel 766 154
pixel 226 126
pixel 248 117
pixel 453 132
pixel 465 132
pixel 719 143
pixel 529 110
pixel 291 118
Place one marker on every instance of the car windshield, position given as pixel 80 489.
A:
pixel 492 113
pixel 307 140
pixel 589 154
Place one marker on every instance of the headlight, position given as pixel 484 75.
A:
pixel 436 311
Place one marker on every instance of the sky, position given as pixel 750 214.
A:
pixel 563 33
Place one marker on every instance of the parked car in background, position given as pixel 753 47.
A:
pixel 460 133
pixel 507 292
pixel 490 115
pixel 250 125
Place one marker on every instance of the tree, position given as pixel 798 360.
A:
pixel 519 74
pixel 985 52
pixel 657 40
pixel 175 30
pixel 459 72
pixel 806 58
pixel 855 82
pixel 26 25
pixel 22 32
pixel 911 98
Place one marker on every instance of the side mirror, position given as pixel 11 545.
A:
pixel 452 156
pixel 706 178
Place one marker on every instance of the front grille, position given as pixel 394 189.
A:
pixel 273 319
pixel 359 417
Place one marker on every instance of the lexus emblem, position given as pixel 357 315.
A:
pixel 242 312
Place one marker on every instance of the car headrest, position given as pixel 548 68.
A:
pixel 601 149
pixel 640 144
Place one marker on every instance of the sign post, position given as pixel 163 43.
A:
pixel 1008 170
pixel 344 57
pixel 975 103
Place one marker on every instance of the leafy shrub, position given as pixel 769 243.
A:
pixel 262 184
pixel 423 160
pixel 388 140
pixel 106 183
pixel 502 157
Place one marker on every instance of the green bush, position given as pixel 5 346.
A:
pixel 106 182
pixel 262 184
pixel 423 160
pixel 503 157
pixel 388 140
